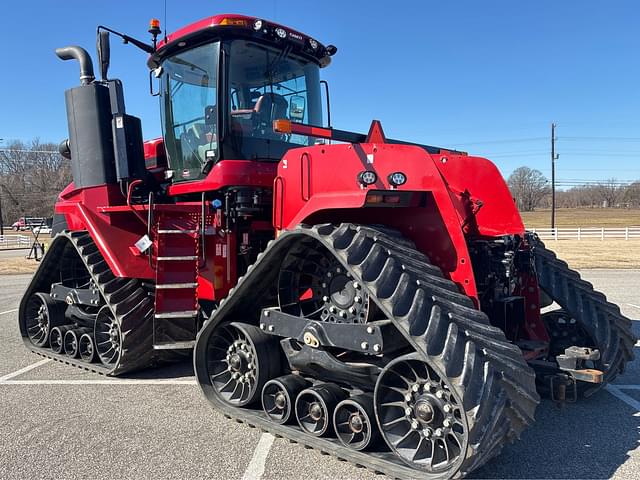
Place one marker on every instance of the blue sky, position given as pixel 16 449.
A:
pixel 488 77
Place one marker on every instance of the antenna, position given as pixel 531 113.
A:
pixel 165 21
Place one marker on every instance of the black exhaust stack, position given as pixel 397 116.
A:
pixel 89 118
pixel 105 144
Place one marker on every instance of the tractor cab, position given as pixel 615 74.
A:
pixel 224 80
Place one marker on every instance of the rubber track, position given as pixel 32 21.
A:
pixel 131 304
pixel 496 384
pixel 610 330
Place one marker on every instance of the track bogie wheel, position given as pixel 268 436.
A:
pixel 87 348
pixel 241 360
pixel 279 395
pixel 354 422
pixel 43 314
pixel 421 416
pixel 315 407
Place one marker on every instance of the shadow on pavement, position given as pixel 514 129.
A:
pixel 174 371
pixel 588 439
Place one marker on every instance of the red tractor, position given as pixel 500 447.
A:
pixel 376 299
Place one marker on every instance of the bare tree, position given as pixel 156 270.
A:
pixel 608 192
pixel 528 187
pixel 31 177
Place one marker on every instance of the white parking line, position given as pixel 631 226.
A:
pixel 627 387
pixel 9 311
pixel 632 402
pixel 24 370
pixel 98 382
pixel 256 466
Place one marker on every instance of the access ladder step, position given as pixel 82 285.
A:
pixel 184 314
pixel 175 345
pixel 168 286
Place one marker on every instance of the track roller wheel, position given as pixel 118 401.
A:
pixel 72 341
pixel 315 407
pixel 108 337
pixel 421 416
pixel 241 360
pixel 355 422
pixel 278 397
pixel 87 348
pixel 42 314
pixel 56 338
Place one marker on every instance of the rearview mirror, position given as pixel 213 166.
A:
pixel 296 108
pixel 104 52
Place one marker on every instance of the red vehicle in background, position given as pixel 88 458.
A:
pixel 376 299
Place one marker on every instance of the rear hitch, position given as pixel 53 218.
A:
pixel 564 385
pixel 572 362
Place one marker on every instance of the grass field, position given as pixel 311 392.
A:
pixel 583 217
pixel 597 253
pixel 17 265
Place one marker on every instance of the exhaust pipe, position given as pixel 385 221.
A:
pixel 83 58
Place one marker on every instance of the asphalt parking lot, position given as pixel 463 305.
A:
pixel 60 422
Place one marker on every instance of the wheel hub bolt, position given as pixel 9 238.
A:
pixel 315 410
pixel 343 314
pixel 281 400
pixel 424 411
pixel 408 397
pixel 447 422
pixel 325 299
pixel 426 432
pixel 415 387
pixel 408 411
pixel 440 393
pixel 333 309
pixel 352 310
pixel 356 285
pixel 415 425
pixel 364 345
pixel 438 432
pixel 356 423
pixel 447 408
pixel 357 299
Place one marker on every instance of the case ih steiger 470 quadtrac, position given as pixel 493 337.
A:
pixel 375 299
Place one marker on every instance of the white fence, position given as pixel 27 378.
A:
pixel 15 241
pixel 588 233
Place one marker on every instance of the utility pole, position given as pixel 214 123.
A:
pixel 554 157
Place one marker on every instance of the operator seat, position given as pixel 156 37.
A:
pixel 270 107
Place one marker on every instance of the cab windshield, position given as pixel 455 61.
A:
pixel 266 84
pixel 189 110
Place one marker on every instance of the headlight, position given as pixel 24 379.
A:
pixel 367 177
pixel 281 32
pixel 313 44
pixel 397 178
pixel 257 24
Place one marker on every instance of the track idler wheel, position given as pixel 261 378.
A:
pixel 43 314
pixel 72 341
pixel 354 422
pixel 278 397
pixel 315 407
pixel 420 416
pixel 56 338
pixel 108 338
pixel 241 359
pixel 87 348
